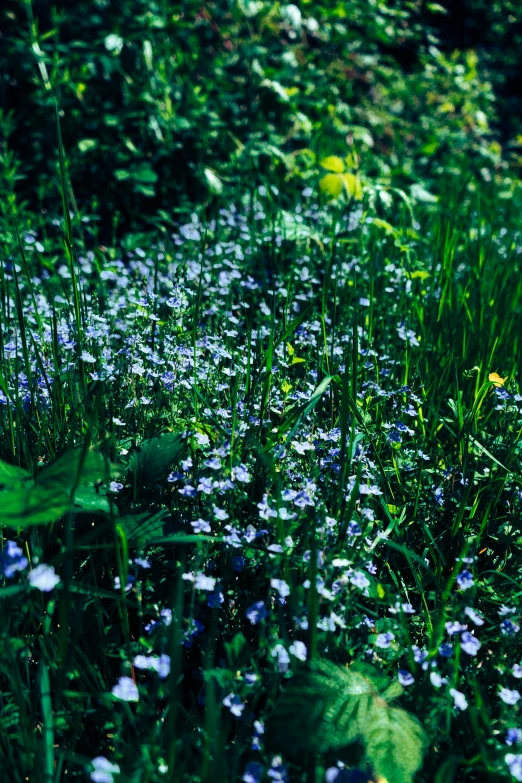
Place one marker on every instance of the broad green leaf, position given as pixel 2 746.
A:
pixel 394 742
pixel 327 707
pixel 86 499
pixel 394 689
pixel 73 468
pixel 321 709
pixel 153 459
pixel 143 527
pixel 50 496
pixel 12 474
pixel 35 506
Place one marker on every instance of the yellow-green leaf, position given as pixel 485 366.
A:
pixel 352 185
pixel 422 274
pixel 384 225
pixel 332 184
pixel 333 163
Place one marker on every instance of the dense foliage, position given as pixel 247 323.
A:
pixel 260 396
pixel 160 101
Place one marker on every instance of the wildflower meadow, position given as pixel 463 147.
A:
pixel 260 393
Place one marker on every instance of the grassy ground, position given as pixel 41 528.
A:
pixel 261 444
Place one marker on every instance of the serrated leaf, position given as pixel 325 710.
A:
pixel 333 163
pixel 321 709
pixel 154 458
pixel 394 742
pixel 393 691
pixel 327 707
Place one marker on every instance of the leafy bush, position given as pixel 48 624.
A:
pixel 160 103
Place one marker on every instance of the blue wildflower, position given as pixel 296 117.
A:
pixel 465 580
pixel 513 736
pixel 12 559
pixel 253 772
pixel 257 612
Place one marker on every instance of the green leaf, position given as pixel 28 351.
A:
pixel 387 227
pixel 87 499
pixel 50 496
pixel 35 506
pixel 327 707
pixel 394 742
pixel 121 174
pixel 332 185
pixel 144 173
pixel 277 88
pixel 298 413
pixel 352 185
pixel 12 474
pixel 87 144
pixel 153 459
pixel 234 649
pixel 333 163
pixel 213 182
pixel 143 527
pixel 393 691
pixel 73 468
pixel 321 709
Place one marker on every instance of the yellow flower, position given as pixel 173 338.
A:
pixel 496 380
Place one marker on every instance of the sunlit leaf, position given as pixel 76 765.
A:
pixel 352 185
pixel 333 163
pixel 332 184
pixel 214 184
pixel 394 742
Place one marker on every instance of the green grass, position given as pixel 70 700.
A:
pixel 276 333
